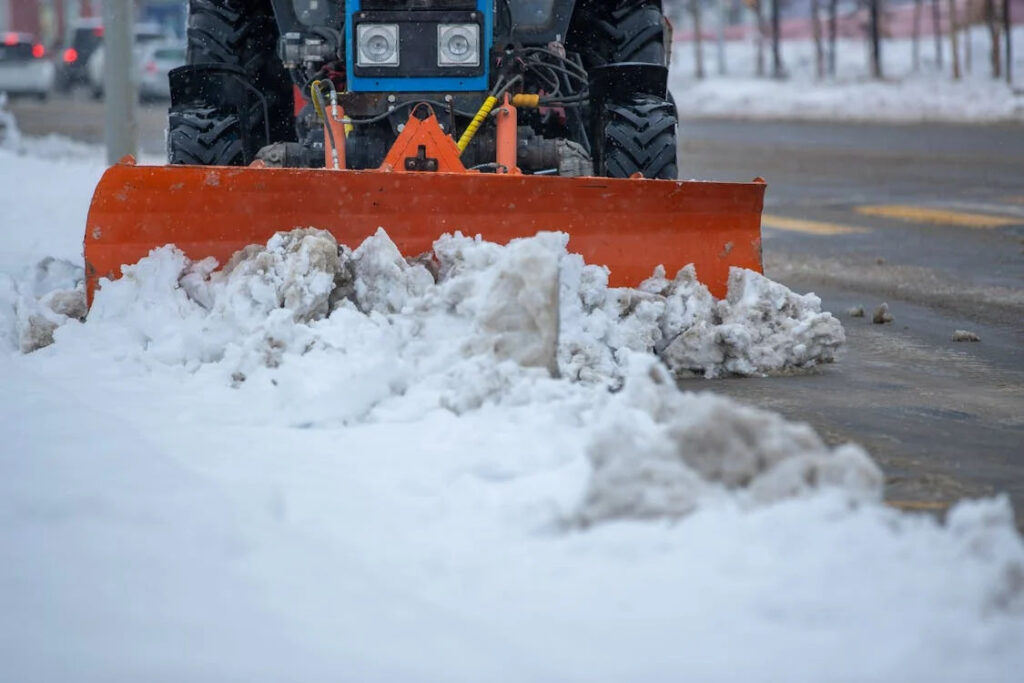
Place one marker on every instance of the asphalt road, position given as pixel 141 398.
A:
pixel 928 218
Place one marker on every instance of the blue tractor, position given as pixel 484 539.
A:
pixel 592 75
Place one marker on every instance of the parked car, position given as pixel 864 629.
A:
pixel 86 39
pixel 24 67
pixel 156 60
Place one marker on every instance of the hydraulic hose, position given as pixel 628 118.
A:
pixel 478 120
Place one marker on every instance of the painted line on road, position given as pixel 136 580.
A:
pixel 810 227
pixel 918 504
pixel 921 214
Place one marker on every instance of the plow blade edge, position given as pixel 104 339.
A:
pixel 630 226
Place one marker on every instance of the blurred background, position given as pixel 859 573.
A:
pixel 856 60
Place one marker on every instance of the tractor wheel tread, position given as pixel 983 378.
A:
pixel 629 31
pixel 640 137
pixel 204 136
pixel 243 33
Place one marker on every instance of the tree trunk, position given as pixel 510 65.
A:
pixel 759 18
pixel 994 29
pixel 937 31
pixel 953 36
pixel 698 39
pixel 876 39
pixel 1007 34
pixel 819 49
pixel 777 70
pixel 916 34
pixel 966 25
pixel 720 20
pixel 833 31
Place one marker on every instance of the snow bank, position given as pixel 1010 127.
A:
pixel 906 96
pixel 530 303
pixel 660 452
pixel 31 309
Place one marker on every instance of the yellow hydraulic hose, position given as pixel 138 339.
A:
pixel 526 101
pixel 478 121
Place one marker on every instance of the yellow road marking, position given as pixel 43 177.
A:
pixel 917 504
pixel 920 214
pixel 809 227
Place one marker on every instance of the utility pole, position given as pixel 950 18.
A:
pixel 120 126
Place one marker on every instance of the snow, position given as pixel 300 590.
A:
pixel 905 96
pixel 334 464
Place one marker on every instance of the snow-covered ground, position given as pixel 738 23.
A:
pixel 905 96
pixel 324 466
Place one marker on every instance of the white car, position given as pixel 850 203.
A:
pixel 24 66
pixel 144 39
pixel 157 59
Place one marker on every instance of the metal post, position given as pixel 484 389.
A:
pixel 120 127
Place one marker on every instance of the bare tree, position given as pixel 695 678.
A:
pixel 758 8
pixel 833 30
pixel 916 33
pixel 819 50
pixel 1007 28
pixel 698 38
pixel 937 31
pixel 953 37
pixel 968 49
pixel 777 68
pixel 994 30
pixel 875 37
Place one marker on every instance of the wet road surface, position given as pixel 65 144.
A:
pixel 930 219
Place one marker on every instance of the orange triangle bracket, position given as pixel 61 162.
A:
pixel 423 146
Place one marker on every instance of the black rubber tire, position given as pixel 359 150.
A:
pixel 204 136
pixel 640 137
pixel 243 33
pixel 616 32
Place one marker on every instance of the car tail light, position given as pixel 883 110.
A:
pixel 11 39
pixel 98 31
pixel 70 55
pixel 151 67
pixel 38 51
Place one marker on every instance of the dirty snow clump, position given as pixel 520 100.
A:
pixel 761 326
pixel 51 294
pixel 660 453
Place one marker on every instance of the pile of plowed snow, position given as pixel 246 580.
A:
pixel 530 302
pixel 324 463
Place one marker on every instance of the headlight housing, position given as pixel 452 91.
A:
pixel 377 45
pixel 458 45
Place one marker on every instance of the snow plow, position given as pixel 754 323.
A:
pixel 426 117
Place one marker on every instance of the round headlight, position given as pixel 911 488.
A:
pixel 458 45
pixel 377 44
pixel 378 47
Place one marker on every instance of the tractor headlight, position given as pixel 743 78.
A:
pixel 377 44
pixel 458 45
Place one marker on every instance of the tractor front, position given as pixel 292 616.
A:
pixel 596 73
pixel 493 117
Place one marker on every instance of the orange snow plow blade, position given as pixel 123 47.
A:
pixel 630 226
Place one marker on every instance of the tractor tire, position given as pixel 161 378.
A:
pixel 204 136
pixel 640 137
pixel 243 33
pixel 628 31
